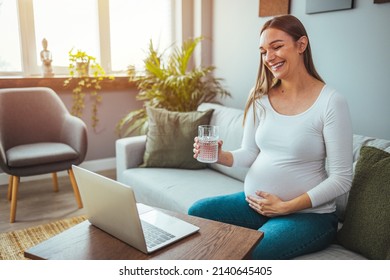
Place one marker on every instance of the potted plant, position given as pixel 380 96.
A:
pixel 86 75
pixel 171 85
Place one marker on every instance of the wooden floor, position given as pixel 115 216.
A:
pixel 39 204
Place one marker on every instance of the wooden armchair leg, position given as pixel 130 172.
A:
pixel 14 197
pixel 75 188
pixel 9 193
pixel 55 181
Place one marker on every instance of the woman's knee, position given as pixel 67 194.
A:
pixel 212 204
pixel 197 209
pixel 206 207
pixel 232 209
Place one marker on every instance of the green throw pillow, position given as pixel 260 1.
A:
pixel 366 229
pixel 170 138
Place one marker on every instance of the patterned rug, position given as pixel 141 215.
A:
pixel 14 243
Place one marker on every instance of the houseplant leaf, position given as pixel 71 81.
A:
pixel 172 85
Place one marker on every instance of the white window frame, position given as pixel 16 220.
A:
pixel 28 42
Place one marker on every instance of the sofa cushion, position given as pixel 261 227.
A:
pixel 358 142
pixel 332 252
pixel 177 190
pixel 367 217
pixel 170 138
pixel 230 122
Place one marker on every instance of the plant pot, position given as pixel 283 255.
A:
pixel 82 69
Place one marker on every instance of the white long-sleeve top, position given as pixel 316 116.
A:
pixel 287 154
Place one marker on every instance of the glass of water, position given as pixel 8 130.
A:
pixel 208 136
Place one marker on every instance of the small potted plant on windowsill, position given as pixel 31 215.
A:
pixel 88 75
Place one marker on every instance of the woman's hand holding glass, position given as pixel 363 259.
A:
pixel 197 147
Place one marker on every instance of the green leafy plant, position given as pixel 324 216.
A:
pixel 86 75
pixel 171 85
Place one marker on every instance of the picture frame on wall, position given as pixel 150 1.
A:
pixel 321 6
pixel 269 8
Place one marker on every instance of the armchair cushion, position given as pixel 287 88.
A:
pixel 39 153
pixel 170 138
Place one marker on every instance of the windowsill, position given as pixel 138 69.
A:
pixel 57 83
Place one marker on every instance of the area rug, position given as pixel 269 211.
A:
pixel 14 243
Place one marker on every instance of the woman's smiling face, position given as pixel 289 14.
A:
pixel 280 53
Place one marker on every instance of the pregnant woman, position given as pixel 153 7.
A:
pixel 298 144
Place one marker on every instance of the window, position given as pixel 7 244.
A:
pixel 10 51
pixel 66 25
pixel 131 30
pixel 116 32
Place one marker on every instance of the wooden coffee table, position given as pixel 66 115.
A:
pixel 214 241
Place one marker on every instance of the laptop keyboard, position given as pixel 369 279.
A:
pixel 153 235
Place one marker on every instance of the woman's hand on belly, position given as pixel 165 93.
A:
pixel 266 204
pixel 270 205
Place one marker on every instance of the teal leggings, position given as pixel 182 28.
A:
pixel 285 237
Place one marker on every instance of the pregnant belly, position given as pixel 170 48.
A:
pixel 284 181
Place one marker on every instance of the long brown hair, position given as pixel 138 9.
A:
pixel 265 80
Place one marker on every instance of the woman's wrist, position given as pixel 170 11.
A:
pixel 297 204
pixel 225 158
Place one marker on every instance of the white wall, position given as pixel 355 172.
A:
pixel 351 50
pixel 114 106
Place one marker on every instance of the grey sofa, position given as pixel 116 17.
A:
pixel 177 189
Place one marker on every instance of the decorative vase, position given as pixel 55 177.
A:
pixel 82 69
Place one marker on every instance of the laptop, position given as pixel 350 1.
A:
pixel 112 207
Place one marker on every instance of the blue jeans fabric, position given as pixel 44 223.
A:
pixel 285 237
